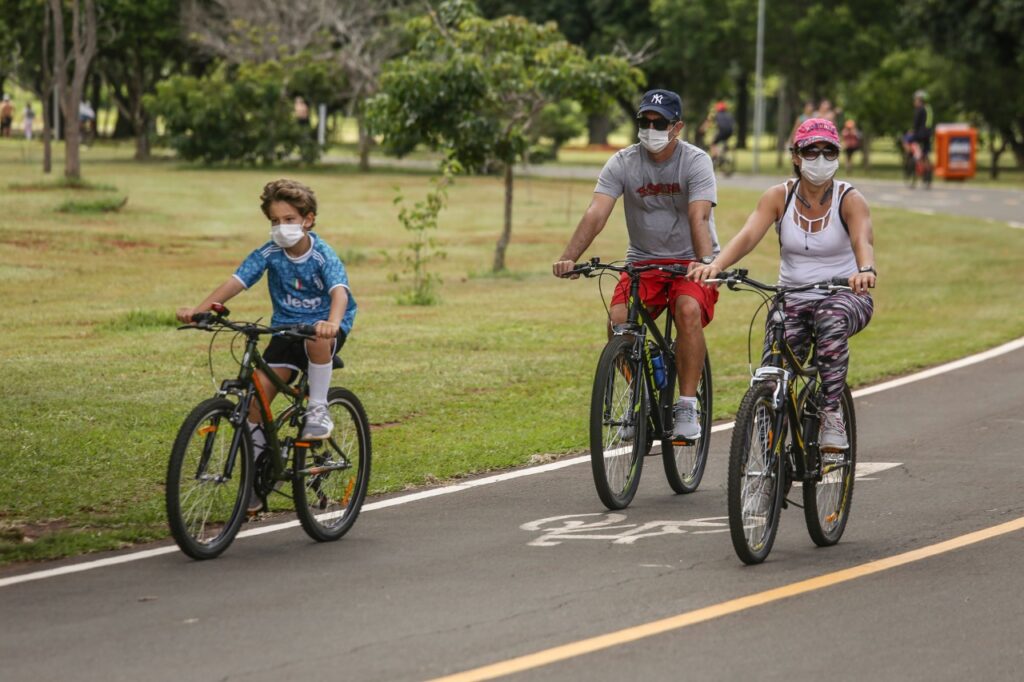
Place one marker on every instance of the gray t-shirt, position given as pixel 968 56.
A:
pixel 657 197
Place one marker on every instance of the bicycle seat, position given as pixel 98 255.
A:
pixel 337 363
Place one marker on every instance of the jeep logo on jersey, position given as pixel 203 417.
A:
pixel 306 303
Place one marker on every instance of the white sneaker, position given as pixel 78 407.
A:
pixel 687 422
pixel 833 432
pixel 318 423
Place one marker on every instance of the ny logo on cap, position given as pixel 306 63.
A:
pixel 656 99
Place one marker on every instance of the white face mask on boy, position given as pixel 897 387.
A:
pixel 287 235
pixel 820 170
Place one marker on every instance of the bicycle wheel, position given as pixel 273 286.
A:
pixel 727 166
pixel 205 498
pixel 827 502
pixel 756 475
pixel 684 463
pixel 618 423
pixel 330 494
pixel 909 171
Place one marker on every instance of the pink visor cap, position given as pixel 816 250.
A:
pixel 815 130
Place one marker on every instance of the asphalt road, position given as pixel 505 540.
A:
pixel 449 583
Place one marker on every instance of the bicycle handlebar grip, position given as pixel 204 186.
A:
pixel 202 318
pixel 840 281
pixel 305 330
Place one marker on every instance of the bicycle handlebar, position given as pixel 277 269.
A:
pixel 212 321
pixel 595 266
pixel 732 278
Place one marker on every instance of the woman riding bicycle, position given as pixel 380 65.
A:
pixel 824 230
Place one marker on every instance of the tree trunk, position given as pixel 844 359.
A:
pixel 783 116
pixel 865 151
pixel 506 233
pixel 47 133
pixel 365 142
pixel 742 109
pixel 599 126
pixel 996 153
pixel 83 45
pixel 142 143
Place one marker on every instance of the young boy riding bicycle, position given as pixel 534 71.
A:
pixel 308 284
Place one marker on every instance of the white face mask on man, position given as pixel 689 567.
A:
pixel 287 235
pixel 818 171
pixel 653 140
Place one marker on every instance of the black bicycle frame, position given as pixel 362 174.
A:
pixel 638 321
pixel 778 366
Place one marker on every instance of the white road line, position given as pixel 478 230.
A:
pixel 488 480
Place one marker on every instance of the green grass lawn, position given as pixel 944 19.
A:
pixel 97 379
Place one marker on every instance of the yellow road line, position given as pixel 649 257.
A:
pixel 588 646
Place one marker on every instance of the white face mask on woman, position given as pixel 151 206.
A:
pixel 820 170
pixel 653 140
pixel 287 235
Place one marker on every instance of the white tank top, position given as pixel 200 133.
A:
pixel 814 256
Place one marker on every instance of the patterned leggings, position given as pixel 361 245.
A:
pixel 830 321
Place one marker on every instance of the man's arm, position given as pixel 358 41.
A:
pixel 699 213
pixel 590 225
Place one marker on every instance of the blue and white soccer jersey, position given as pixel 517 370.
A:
pixel 300 288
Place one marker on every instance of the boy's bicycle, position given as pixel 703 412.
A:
pixel 212 472
pixel 631 404
pixel 784 396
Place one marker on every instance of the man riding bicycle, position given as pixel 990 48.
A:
pixel 669 193
pixel 918 141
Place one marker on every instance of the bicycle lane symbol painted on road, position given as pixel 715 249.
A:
pixel 610 528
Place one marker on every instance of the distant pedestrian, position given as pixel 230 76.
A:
pixel 301 112
pixel 6 116
pixel 29 120
pixel 803 116
pixel 852 140
pixel 825 111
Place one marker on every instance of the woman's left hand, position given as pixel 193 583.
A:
pixel 862 281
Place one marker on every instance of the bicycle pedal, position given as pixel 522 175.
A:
pixel 682 442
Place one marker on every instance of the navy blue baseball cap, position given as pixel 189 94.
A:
pixel 664 102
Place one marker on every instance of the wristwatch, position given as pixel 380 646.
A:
pixel 869 268
pixel 707 260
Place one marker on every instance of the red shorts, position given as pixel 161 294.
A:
pixel 658 290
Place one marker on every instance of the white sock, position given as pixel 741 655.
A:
pixel 687 399
pixel 259 439
pixel 319 382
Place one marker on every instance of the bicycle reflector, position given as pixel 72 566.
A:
pixel 220 309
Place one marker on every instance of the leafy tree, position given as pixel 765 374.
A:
pixel 239 113
pixel 988 37
pixel 82 31
pixel 476 88
pixel 139 41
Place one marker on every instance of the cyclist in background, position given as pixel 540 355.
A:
pixel 725 125
pixel 921 133
pixel 669 190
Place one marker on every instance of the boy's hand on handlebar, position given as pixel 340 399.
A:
pixel 561 268
pixel 326 330
pixel 185 314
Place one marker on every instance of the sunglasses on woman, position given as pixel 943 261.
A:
pixel 811 153
pixel 656 123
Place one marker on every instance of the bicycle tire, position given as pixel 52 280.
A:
pixel 827 502
pixel 329 503
pixel 619 401
pixel 205 510
pixel 909 171
pixel 753 529
pixel 684 464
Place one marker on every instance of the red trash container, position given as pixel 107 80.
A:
pixel 955 151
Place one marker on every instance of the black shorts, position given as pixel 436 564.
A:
pixel 286 351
